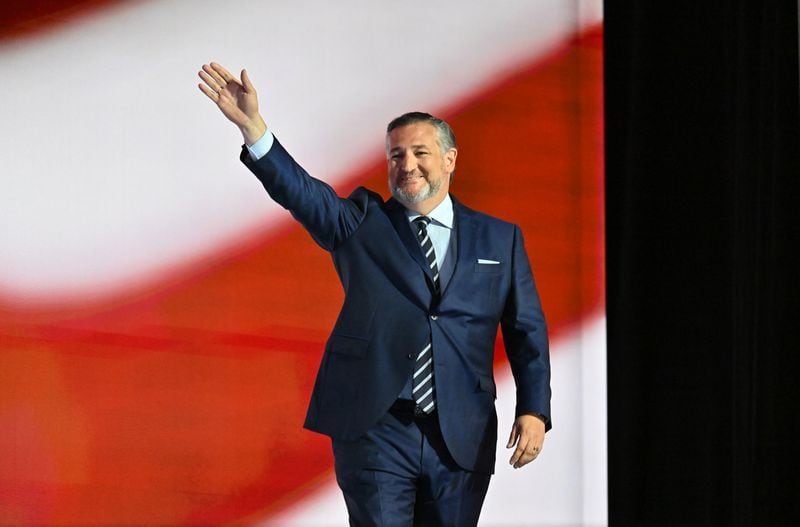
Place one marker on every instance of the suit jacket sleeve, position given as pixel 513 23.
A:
pixel 328 218
pixel 525 337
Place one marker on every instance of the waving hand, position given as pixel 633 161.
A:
pixel 236 98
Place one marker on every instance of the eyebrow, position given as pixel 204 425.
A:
pixel 397 148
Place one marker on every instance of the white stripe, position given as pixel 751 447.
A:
pixel 423 352
pixel 422 383
pixel 424 395
pixel 424 366
pixel 427 408
pixel 421 402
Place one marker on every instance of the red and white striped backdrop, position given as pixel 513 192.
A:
pixel 157 346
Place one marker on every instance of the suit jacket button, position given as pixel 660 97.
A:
pixel 410 356
pixel 434 317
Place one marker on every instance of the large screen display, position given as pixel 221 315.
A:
pixel 162 321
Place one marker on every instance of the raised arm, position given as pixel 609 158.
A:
pixel 236 98
pixel 328 218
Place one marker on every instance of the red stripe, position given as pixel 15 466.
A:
pixel 25 18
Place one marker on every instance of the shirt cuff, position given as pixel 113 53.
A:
pixel 261 147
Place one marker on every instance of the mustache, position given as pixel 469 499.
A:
pixel 401 177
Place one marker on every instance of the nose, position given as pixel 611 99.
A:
pixel 408 164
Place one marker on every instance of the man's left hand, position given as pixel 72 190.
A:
pixel 527 433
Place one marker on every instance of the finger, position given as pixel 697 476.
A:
pixel 214 75
pixel 224 74
pixel 531 452
pixel 211 94
pixel 526 458
pixel 519 452
pixel 214 84
pixel 513 437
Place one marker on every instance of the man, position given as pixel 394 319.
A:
pixel 405 387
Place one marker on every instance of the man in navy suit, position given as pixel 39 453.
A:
pixel 405 387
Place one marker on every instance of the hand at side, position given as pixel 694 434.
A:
pixel 527 433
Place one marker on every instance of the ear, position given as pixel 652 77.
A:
pixel 450 160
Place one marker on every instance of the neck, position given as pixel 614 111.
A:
pixel 426 206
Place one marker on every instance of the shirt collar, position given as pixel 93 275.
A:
pixel 441 215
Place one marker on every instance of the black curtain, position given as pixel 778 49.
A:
pixel 702 225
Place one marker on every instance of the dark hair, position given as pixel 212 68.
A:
pixel 444 134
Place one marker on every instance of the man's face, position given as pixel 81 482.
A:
pixel 419 173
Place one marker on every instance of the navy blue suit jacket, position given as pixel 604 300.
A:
pixel 389 311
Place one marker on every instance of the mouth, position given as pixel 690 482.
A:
pixel 403 180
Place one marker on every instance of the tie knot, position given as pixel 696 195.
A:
pixel 422 221
pixel 422 227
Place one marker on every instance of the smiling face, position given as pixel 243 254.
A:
pixel 419 172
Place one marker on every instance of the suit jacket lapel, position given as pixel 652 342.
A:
pixel 464 226
pixel 397 215
pixel 464 231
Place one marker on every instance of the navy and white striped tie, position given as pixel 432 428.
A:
pixel 422 387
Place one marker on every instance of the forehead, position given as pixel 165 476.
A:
pixel 411 135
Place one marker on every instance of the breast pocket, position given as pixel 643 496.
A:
pixel 490 268
pixel 486 285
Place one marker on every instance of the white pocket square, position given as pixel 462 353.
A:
pixel 491 262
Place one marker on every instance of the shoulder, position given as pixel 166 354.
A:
pixel 492 222
pixel 365 198
pixel 363 193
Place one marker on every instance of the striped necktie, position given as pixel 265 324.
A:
pixel 422 387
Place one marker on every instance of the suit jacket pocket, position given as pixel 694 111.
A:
pixel 486 384
pixel 497 268
pixel 350 346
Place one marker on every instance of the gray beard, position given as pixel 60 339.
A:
pixel 407 197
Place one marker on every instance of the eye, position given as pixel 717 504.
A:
pixel 422 153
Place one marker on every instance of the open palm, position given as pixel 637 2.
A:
pixel 236 98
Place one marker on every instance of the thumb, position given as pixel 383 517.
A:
pixel 248 86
